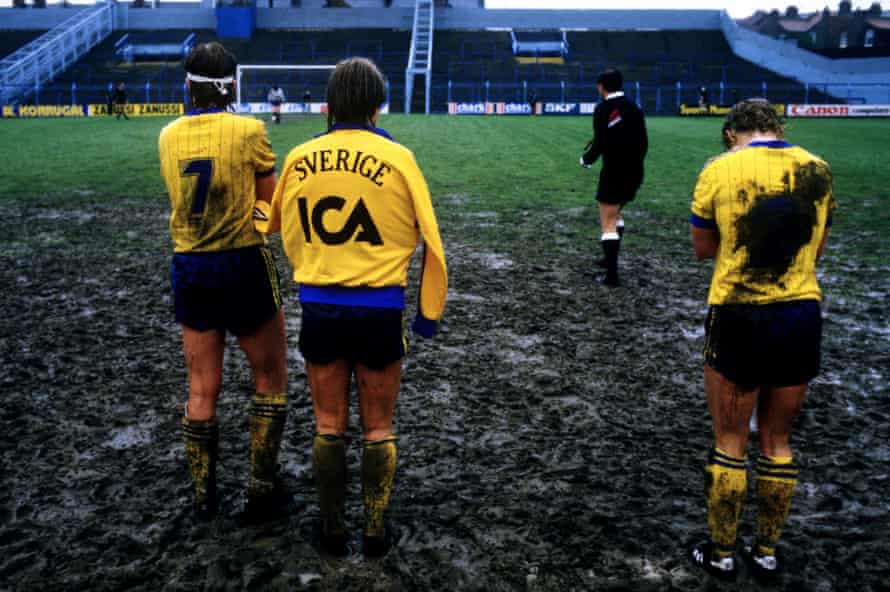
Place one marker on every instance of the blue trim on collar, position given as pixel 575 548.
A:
pixel 355 126
pixel 770 144
pixel 204 111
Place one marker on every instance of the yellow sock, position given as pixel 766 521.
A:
pixel 776 478
pixel 329 467
pixel 726 482
pixel 378 472
pixel 268 413
pixel 201 439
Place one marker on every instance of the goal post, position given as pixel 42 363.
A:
pixel 270 67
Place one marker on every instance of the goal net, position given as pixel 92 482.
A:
pixel 303 86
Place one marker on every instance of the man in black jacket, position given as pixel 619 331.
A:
pixel 619 135
pixel 120 101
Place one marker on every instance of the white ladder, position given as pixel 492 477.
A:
pixel 420 59
pixel 37 63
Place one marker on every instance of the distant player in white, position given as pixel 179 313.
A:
pixel 307 101
pixel 276 98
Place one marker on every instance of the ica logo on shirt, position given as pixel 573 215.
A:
pixel 359 220
pixel 359 225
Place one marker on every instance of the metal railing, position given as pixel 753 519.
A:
pixel 23 72
pixel 655 99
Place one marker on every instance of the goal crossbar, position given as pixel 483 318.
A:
pixel 242 67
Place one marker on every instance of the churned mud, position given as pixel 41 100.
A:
pixel 552 437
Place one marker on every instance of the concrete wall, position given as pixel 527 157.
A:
pixel 192 16
pixel 596 20
pixel 13 19
pixel 169 16
pixel 400 17
pixel 334 18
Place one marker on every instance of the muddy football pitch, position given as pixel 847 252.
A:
pixel 552 436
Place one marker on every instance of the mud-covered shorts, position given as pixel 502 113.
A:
pixel 765 345
pixel 234 290
pixel 373 337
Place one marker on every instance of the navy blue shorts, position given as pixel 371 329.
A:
pixel 235 291
pixel 618 186
pixel 767 345
pixel 367 335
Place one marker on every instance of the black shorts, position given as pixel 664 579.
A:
pixel 765 345
pixel 235 290
pixel 373 337
pixel 618 186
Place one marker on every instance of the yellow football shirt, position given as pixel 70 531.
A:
pixel 770 203
pixel 352 205
pixel 209 162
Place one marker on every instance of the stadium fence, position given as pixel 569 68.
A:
pixel 664 99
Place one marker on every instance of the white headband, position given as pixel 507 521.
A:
pixel 219 83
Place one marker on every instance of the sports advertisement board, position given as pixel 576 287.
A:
pixel 29 111
pixel 92 110
pixel 718 110
pixel 838 111
pixel 560 108
pixel 292 108
pixel 470 108
pixel 139 109
pixel 506 108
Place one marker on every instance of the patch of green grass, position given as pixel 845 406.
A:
pixel 503 164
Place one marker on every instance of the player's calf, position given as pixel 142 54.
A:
pixel 726 482
pixel 776 480
pixel 202 451
pixel 266 497
pixel 329 467
pixel 611 243
pixel 378 472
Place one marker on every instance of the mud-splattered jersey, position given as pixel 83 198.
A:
pixel 770 203
pixel 210 161
pixel 352 205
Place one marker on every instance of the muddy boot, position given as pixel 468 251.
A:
pixel 201 451
pixel 329 467
pixel 378 472
pixel 266 496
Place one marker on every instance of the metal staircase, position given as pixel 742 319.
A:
pixel 420 60
pixel 24 71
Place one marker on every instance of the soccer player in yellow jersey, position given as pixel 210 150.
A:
pixel 217 167
pixel 762 211
pixel 352 205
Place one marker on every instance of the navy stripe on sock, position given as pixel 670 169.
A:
pixel 724 460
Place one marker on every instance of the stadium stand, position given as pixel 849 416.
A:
pixel 161 81
pixel 653 59
pixel 479 65
pixel 662 67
